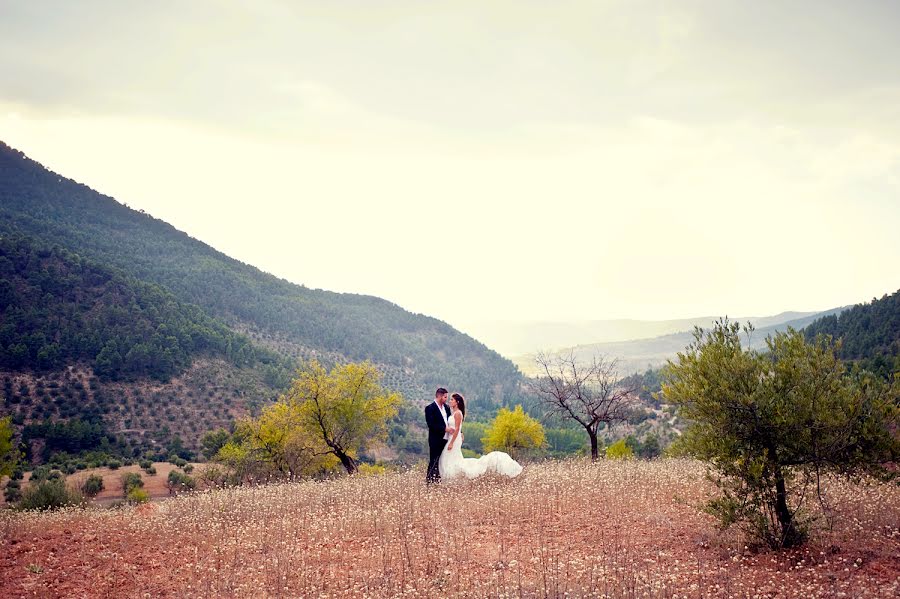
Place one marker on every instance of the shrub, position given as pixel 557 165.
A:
pixel 137 496
pixel 619 451
pixel 48 495
pixel 40 474
pixel 13 491
pixel 151 471
pixel 179 482
pixel 513 432
pixel 371 469
pixel 114 464
pixel 213 476
pixel 131 480
pixel 92 486
pixel 144 464
pixel 188 468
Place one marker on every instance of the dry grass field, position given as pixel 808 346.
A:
pixel 566 529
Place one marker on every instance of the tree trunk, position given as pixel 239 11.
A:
pixel 347 462
pixel 790 536
pixel 595 450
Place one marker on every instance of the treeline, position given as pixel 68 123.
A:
pixel 57 308
pixel 869 333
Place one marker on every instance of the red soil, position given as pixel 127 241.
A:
pixel 571 529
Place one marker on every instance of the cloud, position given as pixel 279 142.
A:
pixel 650 160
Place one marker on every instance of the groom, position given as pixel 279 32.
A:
pixel 437 417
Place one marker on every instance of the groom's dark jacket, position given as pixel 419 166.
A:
pixel 435 422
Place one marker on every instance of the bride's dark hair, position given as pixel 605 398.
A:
pixel 460 403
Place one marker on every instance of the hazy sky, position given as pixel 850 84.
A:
pixel 489 160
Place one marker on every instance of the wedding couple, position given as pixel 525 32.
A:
pixel 445 441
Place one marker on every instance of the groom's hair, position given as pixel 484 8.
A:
pixel 440 391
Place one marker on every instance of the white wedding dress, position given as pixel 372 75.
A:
pixel 452 464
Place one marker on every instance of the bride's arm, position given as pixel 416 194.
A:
pixel 457 418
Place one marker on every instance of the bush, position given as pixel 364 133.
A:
pixel 48 495
pixel 137 496
pixel 13 491
pixel 39 474
pixel 114 464
pixel 188 468
pixel 92 486
pixel 619 451
pixel 213 476
pixel 179 482
pixel 371 470
pixel 514 432
pixel 151 471
pixel 131 480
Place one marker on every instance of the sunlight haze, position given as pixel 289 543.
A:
pixel 483 161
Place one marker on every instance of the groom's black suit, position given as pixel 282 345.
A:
pixel 436 441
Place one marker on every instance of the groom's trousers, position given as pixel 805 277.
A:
pixel 435 448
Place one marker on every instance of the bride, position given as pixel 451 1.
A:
pixel 452 464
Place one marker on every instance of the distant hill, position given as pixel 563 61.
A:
pixel 517 338
pixel 641 354
pixel 869 333
pixel 125 298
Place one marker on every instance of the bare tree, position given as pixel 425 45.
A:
pixel 590 393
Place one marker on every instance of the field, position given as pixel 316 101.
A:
pixel 613 529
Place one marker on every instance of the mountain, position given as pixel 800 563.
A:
pixel 113 296
pixel 641 354
pixel 514 338
pixel 869 333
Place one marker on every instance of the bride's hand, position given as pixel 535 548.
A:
pixel 450 447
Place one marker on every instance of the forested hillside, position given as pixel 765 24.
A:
pixel 59 309
pixel 120 324
pixel 418 352
pixel 869 333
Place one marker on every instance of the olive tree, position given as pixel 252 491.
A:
pixel 767 420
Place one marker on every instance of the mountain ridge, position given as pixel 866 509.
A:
pixel 514 338
pixel 637 355
pixel 40 203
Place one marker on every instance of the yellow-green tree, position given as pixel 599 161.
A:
pixel 9 454
pixel 325 419
pixel 513 431
pixel 343 410
pixel 275 443
pixel 619 451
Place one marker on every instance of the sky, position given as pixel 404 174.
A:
pixel 490 160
